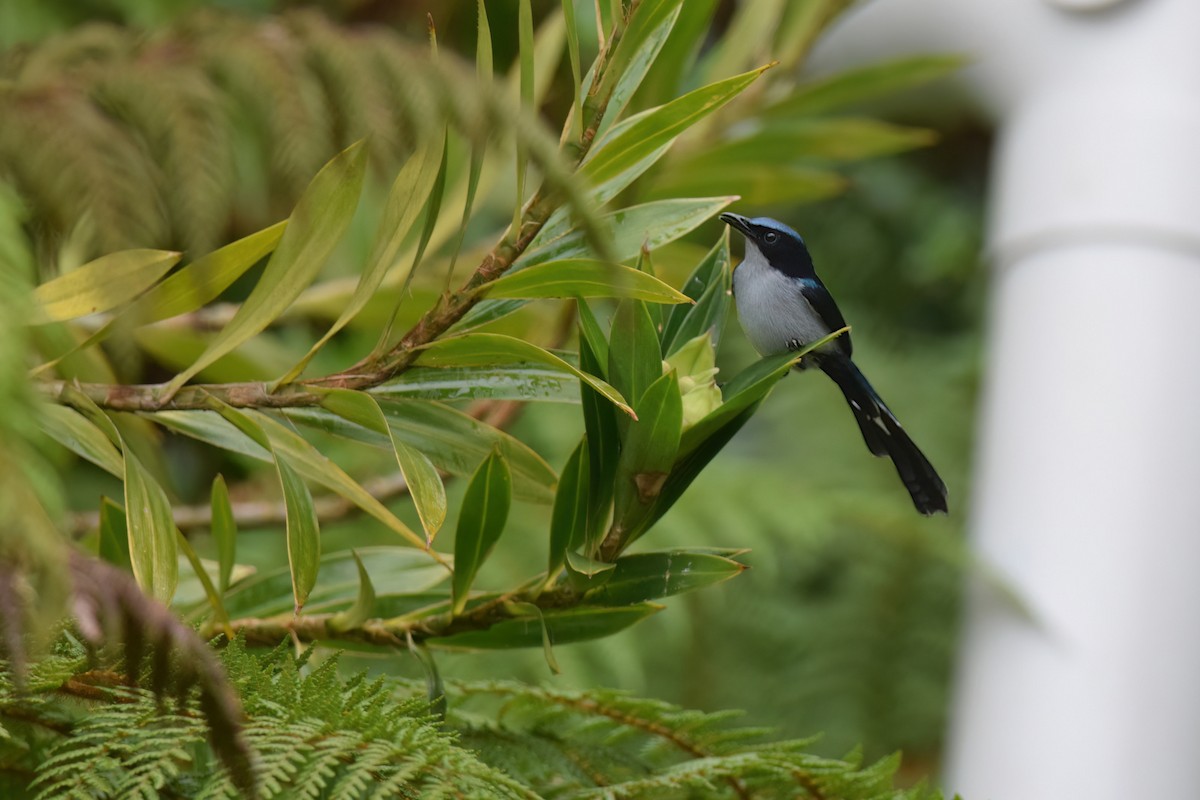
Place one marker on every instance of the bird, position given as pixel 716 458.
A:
pixel 783 306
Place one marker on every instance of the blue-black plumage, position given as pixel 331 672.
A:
pixel 783 306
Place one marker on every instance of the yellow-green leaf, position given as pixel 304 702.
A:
pixel 582 277
pixel 303 536
pixel 152 546
pixel 224 532
pixel 647 455
pixel 75 432
pixel 314 229
pixel 632 141
pixel 101 285
pixel 562 627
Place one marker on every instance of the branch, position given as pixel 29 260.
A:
pixel 375 369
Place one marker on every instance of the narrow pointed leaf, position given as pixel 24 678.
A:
pixel 303 535
pixel 75 432
pixel 568 520
pixel 629 144
pixel 582 277
pixel 407 197
pixel 424 484
pixel 364 604
pixel 713 280
pixel 600 423
pixel 563 627
pixel 634 355
pixel 865 83
pixel 314 229
pixel 568 8
pixel 224 532
pixel 152 546
pixel 101 285
pixel 640 43
pixel 650 576
pixel 479 349
pixel 525 52
pixel 480 523
pixel 647 455
pixel 591 333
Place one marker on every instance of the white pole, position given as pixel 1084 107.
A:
pixel 1087 491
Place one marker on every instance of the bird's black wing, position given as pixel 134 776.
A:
pixel 822 302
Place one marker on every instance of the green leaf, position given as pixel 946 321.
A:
pixel 152 548
pixel 398 570
pixel 114 535
pixel 647 456
pixel 600 423
pixel 525 50
pixel 364 605
pixel 649 26
pixel 568 8
pixel 101 285
pixel 424 484
pixel 224 532
pixel 568 521
pixel 582 277
pixel 590 331
pixel 865 83
pixel 649 576
pixel 314 229
pixel 481 349
pixel 453 441
pixel 405 200
pixel 710 285
pixel 634 356
pixel 563 627
pixel 525 382
pixel 634 140
pixel 837 139
pixel 480 523
pixel 79 435
pixel 204 279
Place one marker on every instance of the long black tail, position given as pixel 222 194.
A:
pixel 884 436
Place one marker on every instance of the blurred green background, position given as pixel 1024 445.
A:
pixel 846 624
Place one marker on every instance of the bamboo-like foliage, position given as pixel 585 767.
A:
pixel 642 372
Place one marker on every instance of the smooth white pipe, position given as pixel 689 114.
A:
pixel 1087 490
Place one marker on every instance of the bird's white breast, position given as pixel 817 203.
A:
pixel 773 312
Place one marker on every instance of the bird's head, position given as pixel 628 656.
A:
pixel 779 246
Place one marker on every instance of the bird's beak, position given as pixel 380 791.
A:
pixel 737 222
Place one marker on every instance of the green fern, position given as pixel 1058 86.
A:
pixel 316 735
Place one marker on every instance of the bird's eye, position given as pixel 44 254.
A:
pixel 770 237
